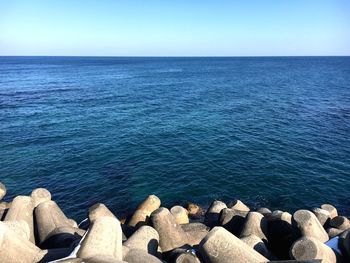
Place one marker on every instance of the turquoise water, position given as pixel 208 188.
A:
pixel 269 131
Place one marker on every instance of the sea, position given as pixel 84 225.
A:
pixel 270 131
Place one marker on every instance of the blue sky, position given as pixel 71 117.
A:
pixel 175 28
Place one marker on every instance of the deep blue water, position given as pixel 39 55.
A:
pixel 269 131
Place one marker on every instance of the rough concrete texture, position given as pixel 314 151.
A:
pixel 99 210
pixel 220 246
pixel 331 209
pixel 255 224
pixel 180 214
pixel 19 227
pixel 145 238
pixel 48 217
pixel 139 256
pixel 257 244
pixel 238 205
pixel 171 235
pixel 265 211
pixel 308 248
pixel 332 232
pixel 183 255
pixel 2 190
pixel 340 222
pixel 103 238
pixel 232 220
pixel 284 216
pixel 144 210
pixel 308 225
pixel 22 209
pixel 40 195
pixel 322 215
pixel 102 259
pixel 213 213
pixel 14 249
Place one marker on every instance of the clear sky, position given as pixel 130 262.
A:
pixel 175 28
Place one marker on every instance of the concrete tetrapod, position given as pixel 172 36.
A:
pixel 233 220
pixel 145 238
pixel 2 190
pixel 308 248
pixel 144 210
pixel 40 195
pixel 308 225
pixel 22 209
pixel 332 232
pixel 340 222
pixel 322 215
pixel 13 248
pixel 257 244
pixel 180 214
pixel 171 235
pixel 195 232
pixel 265 211
pixel 220 246
pixel 19 227
pixel 48 217
pixel 104 237
pixel 255 224
pixel 213 213
pixel 238 205
pixel 140 256
pixel 183 255
pixel 331 209
pixel 99 210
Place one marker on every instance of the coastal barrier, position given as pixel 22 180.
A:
pixel 34 229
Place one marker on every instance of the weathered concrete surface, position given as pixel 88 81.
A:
pixel 48 217
pixel 195 232
pixel 40 195
pixel 104 237
pixel 220 246
pixel 171 234
pixel 2 190
pixel 265 211
pixel 331 209
pixel 257 244
pixel 19 227
pixel 255 224
pixel 99 210
pixel 180 214
pixel 238 205
pixel 340 222
pixel 140 256
pixel 22 209
pixel 213 213
pixel 14 249
pixel 308 248
pixel 232 220
pixel 145 238
pixel 144 210
pixel 307 224
pixel 322 215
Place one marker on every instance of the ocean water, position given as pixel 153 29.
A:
pixel 272 132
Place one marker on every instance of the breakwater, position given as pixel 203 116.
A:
pixel 34 229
